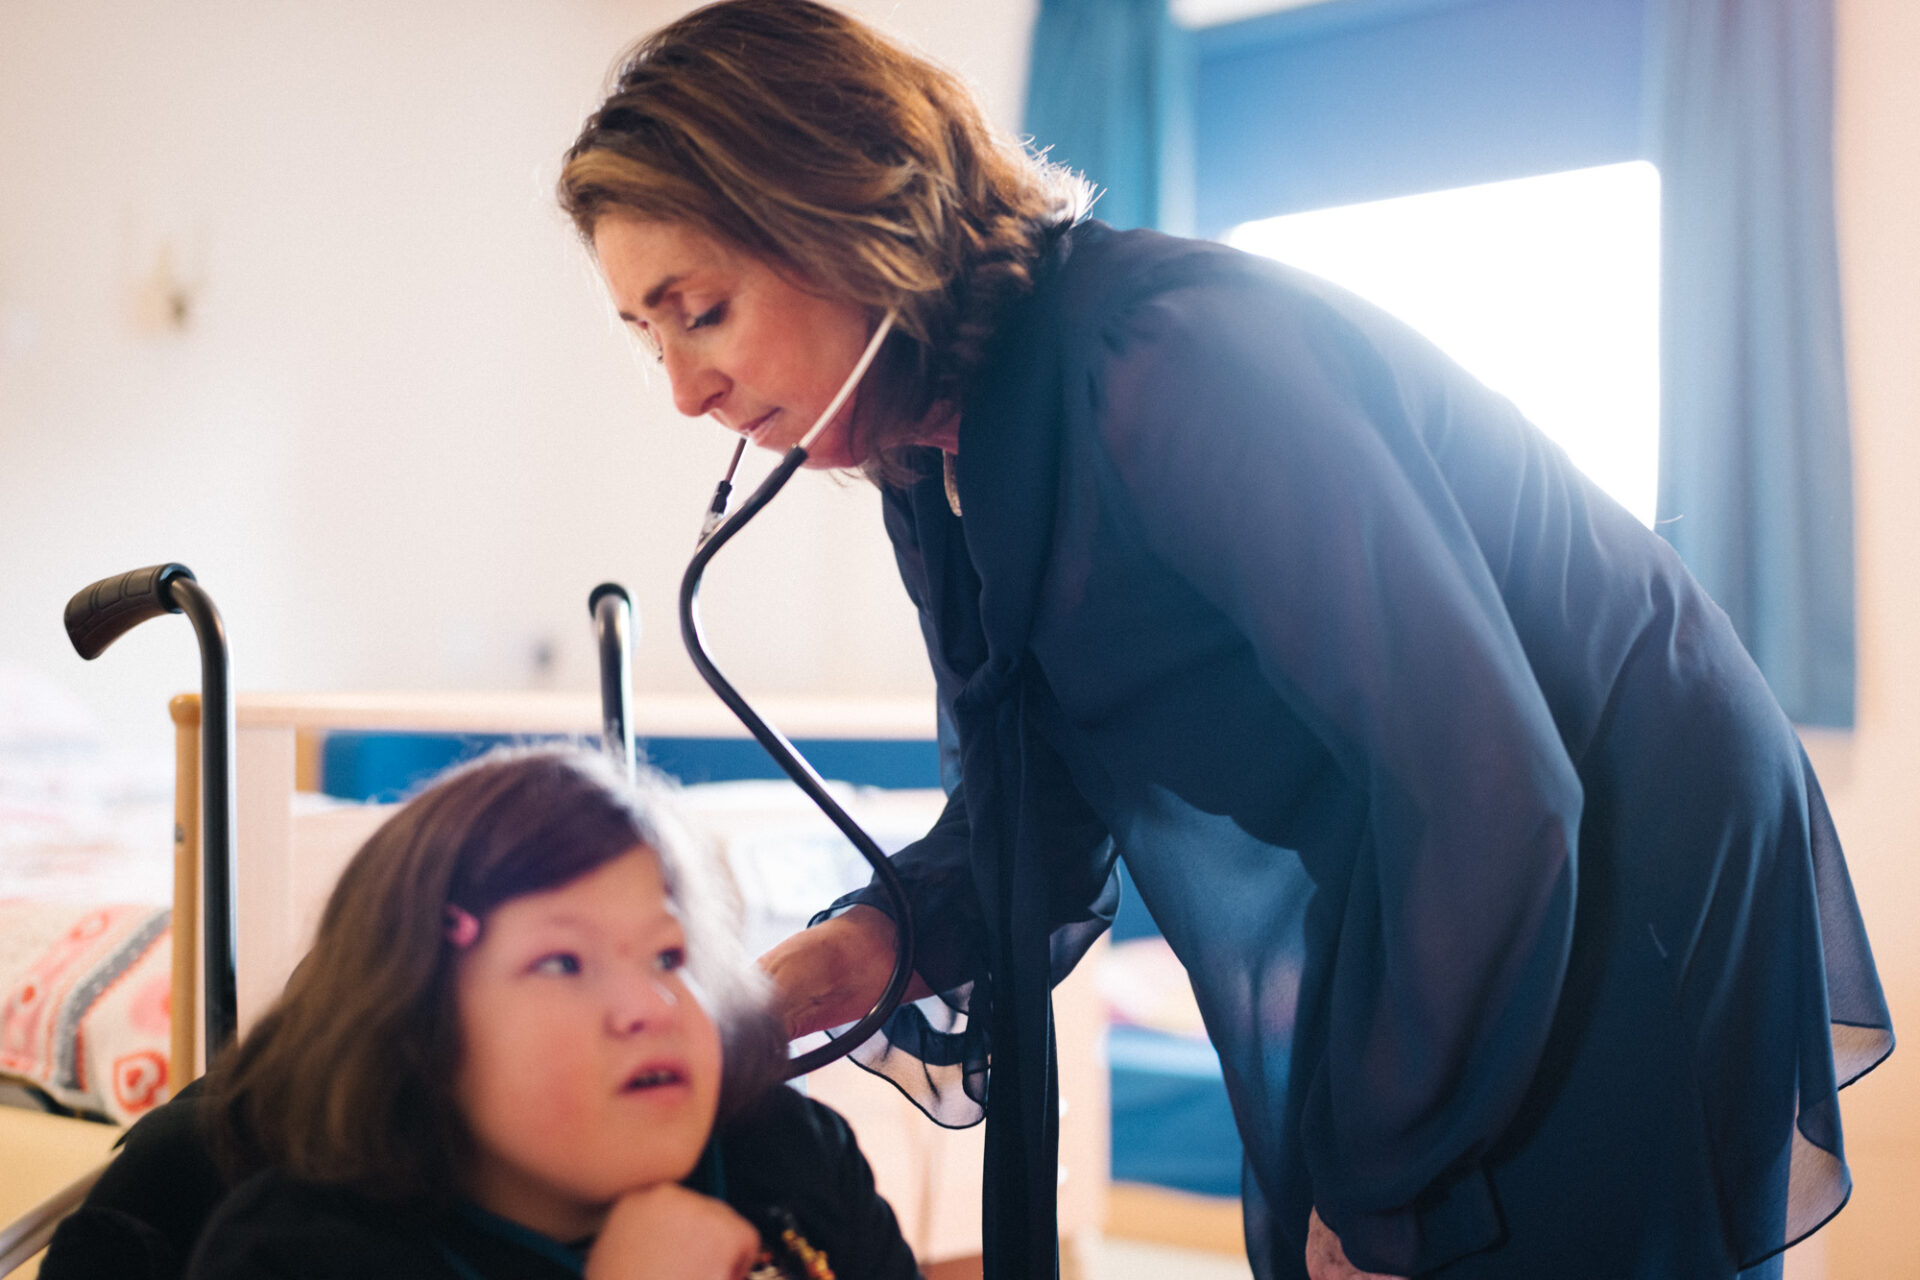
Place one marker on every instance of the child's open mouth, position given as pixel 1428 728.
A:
pixel 652 1077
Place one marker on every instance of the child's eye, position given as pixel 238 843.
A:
pixel 560 962
pixel 671 960
pixel 706 319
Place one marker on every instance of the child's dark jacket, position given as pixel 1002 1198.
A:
pixel 789 1160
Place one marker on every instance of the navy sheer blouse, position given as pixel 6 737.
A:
pixel 1447 783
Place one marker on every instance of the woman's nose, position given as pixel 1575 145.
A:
pixel 641 1001
pixel 698 387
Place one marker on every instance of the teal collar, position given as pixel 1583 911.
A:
pixel 708 1178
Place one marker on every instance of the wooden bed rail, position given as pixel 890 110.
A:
pixel 275 733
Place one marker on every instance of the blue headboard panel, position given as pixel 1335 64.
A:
pixel 387 766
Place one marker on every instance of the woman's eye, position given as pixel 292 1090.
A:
pixel 650 342
pixel 706 319
pixel 560 962
pixel 671 960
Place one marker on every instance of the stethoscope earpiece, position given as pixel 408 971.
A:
pixel 717 509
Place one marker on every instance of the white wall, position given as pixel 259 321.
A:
pixel 397 437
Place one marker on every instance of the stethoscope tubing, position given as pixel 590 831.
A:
pixel 796 767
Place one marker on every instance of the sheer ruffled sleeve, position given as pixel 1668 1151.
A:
pixel 930 1049
pixel 1267 455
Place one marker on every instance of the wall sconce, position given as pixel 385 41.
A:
pixel 166 298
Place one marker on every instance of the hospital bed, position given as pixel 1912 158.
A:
pixel 290 750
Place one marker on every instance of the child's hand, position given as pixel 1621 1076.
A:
pixel 670 1233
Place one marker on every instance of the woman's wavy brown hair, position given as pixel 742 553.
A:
pixel 801 135
pixel 347 1080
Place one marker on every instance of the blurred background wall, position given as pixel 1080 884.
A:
pixel 284 297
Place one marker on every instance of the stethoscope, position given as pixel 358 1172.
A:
pixel 715 531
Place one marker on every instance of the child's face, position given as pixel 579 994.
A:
pixel 588 1068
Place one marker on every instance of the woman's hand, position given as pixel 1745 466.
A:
pixel 834 972
pixel 670 1233
pixel 1327 1260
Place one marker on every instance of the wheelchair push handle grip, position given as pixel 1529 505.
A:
pixel 103 612
pixel 601 592
pixel 614 628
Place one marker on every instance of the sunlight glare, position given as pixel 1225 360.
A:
pixel 1547 289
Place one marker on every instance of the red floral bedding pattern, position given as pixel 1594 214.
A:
pixel 84 995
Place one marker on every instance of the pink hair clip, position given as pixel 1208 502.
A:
pixel 463 929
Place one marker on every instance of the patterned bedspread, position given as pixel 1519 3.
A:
pixel 84 1015
pixel 86 879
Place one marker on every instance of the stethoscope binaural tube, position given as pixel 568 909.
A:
pixel 713 537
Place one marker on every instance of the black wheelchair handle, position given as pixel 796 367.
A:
pixel 607 589
pixel 614 629
pixel 102 613
pixel 96 617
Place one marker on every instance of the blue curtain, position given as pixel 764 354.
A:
pixel 1109 93
pixel 1352 100
pixel 1755 460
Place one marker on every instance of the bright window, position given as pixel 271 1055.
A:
pixel 1546 288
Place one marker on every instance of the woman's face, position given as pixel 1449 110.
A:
pixel 740 341
pixel 588 1066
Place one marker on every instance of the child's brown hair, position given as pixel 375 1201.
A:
pixel 347 1079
